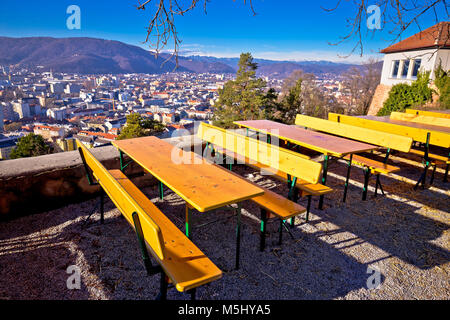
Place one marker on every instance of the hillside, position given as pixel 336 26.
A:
pixel 97 56
pixel 93 56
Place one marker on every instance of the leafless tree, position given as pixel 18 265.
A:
pixel 309 99
pixel 396 16
pixel 360 83
pixel 162 23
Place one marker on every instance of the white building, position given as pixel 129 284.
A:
pixel 403 60
pixel 21 109
pixel 423 51
pixel 57 114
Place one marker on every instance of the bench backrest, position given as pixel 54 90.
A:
pixel 269 155
pixel 443 122
pixel 124 202
pixel 437 138
pixel 384 139
pixel 428 113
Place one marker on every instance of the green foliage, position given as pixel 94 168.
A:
pixel 301 95
pixel 291 104
pixel 31 145
pixel 402 95
pixel 244 98
pixel 139 127
pixel 442 82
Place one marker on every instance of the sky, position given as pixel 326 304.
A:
pixel 281 30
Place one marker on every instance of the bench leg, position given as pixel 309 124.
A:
pixel 99 204
pixel 288 230
pixel 280 231
pixel 188 219
pixel 432 174
pixel 366 183
pixel 262 240
pixel 423 177
pixel 162 296
pixel 140 236
pixel 102 206
pixel 324 179
pixel 446 172
pixel 308 207
pixel 349 166
pixel 161 190
pixel 295 197
pixel 192 293
pixel 378 184
pixel 238 235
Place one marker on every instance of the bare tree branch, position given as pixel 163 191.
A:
pixel 396 15
pixel 161 29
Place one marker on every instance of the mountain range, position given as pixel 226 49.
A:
pixel 98 56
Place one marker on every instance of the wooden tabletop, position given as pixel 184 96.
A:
pixel 429 127
pixel 321 142
pixel 201 184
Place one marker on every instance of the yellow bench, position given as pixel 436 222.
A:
pixel 282 163
pixel 430 113
pixel 435 121
pixel 387 140
pixel 179 260
pixel 424 136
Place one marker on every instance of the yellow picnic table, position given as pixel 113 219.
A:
pixel 430 120
pixel 200 183
pixel 416 125
pixel 431 113
pixel 328 145
pixel 423 133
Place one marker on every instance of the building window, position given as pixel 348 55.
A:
pixel 405 68
pixel 416 67
pixel 395 65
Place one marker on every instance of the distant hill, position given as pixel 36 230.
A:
pixel 97 56
pixel 94 56
pixel 282 69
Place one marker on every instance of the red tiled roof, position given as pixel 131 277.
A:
pixel 99 134
pixel 433 37
pixel 39 127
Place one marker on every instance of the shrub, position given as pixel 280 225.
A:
pixel 402 95
pixel 442 82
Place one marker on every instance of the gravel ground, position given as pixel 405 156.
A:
pixel 404 235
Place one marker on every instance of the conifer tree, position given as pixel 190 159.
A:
pixel 244 98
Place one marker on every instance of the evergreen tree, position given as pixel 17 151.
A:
pixel 31 145
pixel 244 98
pixel 139 127
pixel 290 105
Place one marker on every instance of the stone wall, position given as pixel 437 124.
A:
pixel 39 184
pixel 381 94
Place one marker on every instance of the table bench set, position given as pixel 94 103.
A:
pixel 206 182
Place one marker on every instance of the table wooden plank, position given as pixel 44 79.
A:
pixel 317 141
pixel 201 184
pixel 437 138
pixel 428 127
pixel 427 120
pixel 431 113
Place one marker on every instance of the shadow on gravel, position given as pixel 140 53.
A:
pixel 36 269
pixel 394 226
